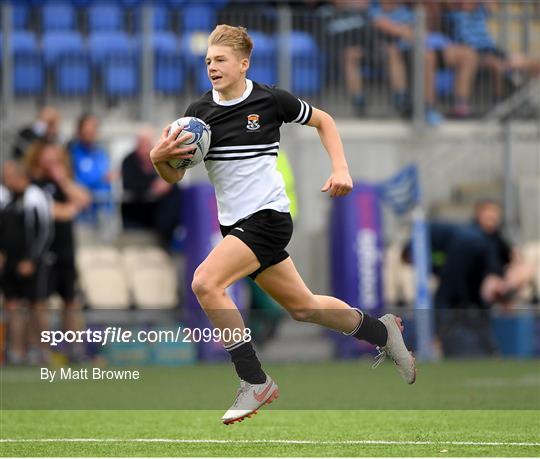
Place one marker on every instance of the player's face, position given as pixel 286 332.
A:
pixel 489 217
pixel 226 68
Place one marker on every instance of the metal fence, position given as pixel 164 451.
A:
pixel 338 55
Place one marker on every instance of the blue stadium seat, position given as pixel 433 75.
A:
pixel 177 3
pixel 57 43
pixel 114 55
pixel 28 71
pixel 306 63
pixel 81 3
pixel 105 17
pixel 166 42
pixel 19 16
pixel 169 63
pixel 183 3
pixel 131 3
pixel 202 81
pixel 73 74
pixel 120 75
pixel 162 18
pixel 57 16
pixel 22 41
pixel 194 45
pixel 198 17
pixel 263 65
pixel 104 44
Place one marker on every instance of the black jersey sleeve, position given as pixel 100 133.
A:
pixel 192 109
pixel 291 109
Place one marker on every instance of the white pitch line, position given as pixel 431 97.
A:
pixel 277 441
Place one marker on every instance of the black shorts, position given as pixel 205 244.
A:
pixel 62 278
pixel 32 288
pixel 266 233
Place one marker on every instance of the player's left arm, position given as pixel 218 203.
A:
pixel 340 182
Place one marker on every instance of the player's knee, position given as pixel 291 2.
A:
pixel 202 284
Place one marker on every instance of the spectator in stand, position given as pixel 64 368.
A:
pixel 45 127
pixel 470 283
pixel 349 29
pixel 48 164
pixel 25 233
pixel 396 20
pixel 91 165
pixel 509 263
pixel 148 201
pixel 468 25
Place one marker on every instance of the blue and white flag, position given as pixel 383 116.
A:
pixel 402 191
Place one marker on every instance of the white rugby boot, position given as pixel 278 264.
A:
pixel 249 398
pixel 395 349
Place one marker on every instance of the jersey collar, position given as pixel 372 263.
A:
pixel 247 92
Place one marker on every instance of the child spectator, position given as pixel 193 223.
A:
pixel 350 30
pixel 396 20
pixel 468 25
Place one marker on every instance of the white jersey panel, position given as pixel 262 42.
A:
pixel 246 186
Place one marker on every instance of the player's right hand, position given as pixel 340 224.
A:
pixel 169 146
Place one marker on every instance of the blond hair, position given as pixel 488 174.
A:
pixel 235 37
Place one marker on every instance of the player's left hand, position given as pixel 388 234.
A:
pixel 339 184
pixel 25 268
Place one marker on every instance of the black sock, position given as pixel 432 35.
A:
pixel 370 329
pixel 246 363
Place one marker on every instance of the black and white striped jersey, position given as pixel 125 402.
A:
pixel 241 161
pixel 26 224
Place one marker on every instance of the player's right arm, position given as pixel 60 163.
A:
pixel 169 147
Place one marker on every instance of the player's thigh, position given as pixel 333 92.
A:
pixel 283 283
pixel 228 262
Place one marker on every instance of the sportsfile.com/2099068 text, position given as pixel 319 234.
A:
pixel 120 335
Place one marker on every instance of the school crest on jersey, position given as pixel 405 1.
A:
pixel 253 122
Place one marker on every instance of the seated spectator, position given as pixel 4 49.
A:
pixel 468 25
pixel 396 20
pixel 25 233
pixel 49 166
pixel 45 127
pixel 148 201
pixel 350 30
pixel 463 262
pixel 508 261
pixel 91 165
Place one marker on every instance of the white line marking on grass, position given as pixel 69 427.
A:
pixel 277 441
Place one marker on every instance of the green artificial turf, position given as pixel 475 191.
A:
pixel 494 405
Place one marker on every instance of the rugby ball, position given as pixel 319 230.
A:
pixel 200 136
